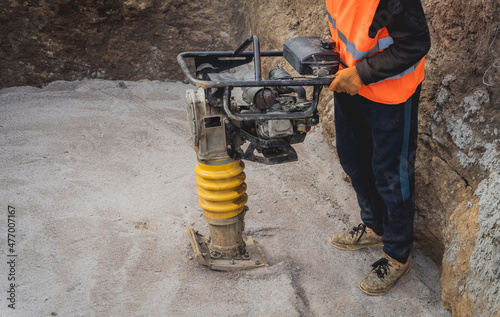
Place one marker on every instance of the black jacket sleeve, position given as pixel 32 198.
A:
pixel 406 23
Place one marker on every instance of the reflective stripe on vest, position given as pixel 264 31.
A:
pixel 349 24
pixel 351 47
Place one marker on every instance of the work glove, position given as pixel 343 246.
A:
pixel 347 80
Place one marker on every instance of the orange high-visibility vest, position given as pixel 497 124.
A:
pixel 349 22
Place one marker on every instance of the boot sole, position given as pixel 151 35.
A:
pixel 385 290
pixel 353 247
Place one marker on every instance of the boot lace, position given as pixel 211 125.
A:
pixel 381 267
pixel 360 229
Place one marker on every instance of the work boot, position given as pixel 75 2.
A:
pixel 384 275
pixel 357 238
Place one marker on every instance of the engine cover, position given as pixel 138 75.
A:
pixel 307 54
pixel 206 126
pixel 274 128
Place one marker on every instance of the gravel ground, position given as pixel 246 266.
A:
pixel 101 176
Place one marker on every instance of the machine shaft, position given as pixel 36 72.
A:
pixel 222 197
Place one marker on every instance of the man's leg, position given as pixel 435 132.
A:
pixel 355 150
pixel 394 132
pixel 354 147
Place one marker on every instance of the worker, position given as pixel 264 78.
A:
pixel 382 44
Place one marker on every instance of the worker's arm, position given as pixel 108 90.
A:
pixel 410 33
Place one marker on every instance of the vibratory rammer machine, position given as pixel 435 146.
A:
pixel 274 114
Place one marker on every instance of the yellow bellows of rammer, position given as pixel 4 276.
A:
pixel 221 189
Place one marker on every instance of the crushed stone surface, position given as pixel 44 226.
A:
pixel 101 174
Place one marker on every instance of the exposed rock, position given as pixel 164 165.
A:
pixel 457 126
pixel 483 285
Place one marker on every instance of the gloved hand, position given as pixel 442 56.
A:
pixel 347 80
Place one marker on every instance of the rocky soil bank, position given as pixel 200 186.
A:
pixel 458 180
pixel 49 40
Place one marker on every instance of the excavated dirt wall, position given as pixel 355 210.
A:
pixel 49 40
pixel 458 170
pixel 459 160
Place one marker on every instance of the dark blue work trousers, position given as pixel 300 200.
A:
pixel 376 144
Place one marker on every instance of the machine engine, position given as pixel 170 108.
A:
pixel 265 117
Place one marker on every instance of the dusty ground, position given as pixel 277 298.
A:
pixel 101 176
